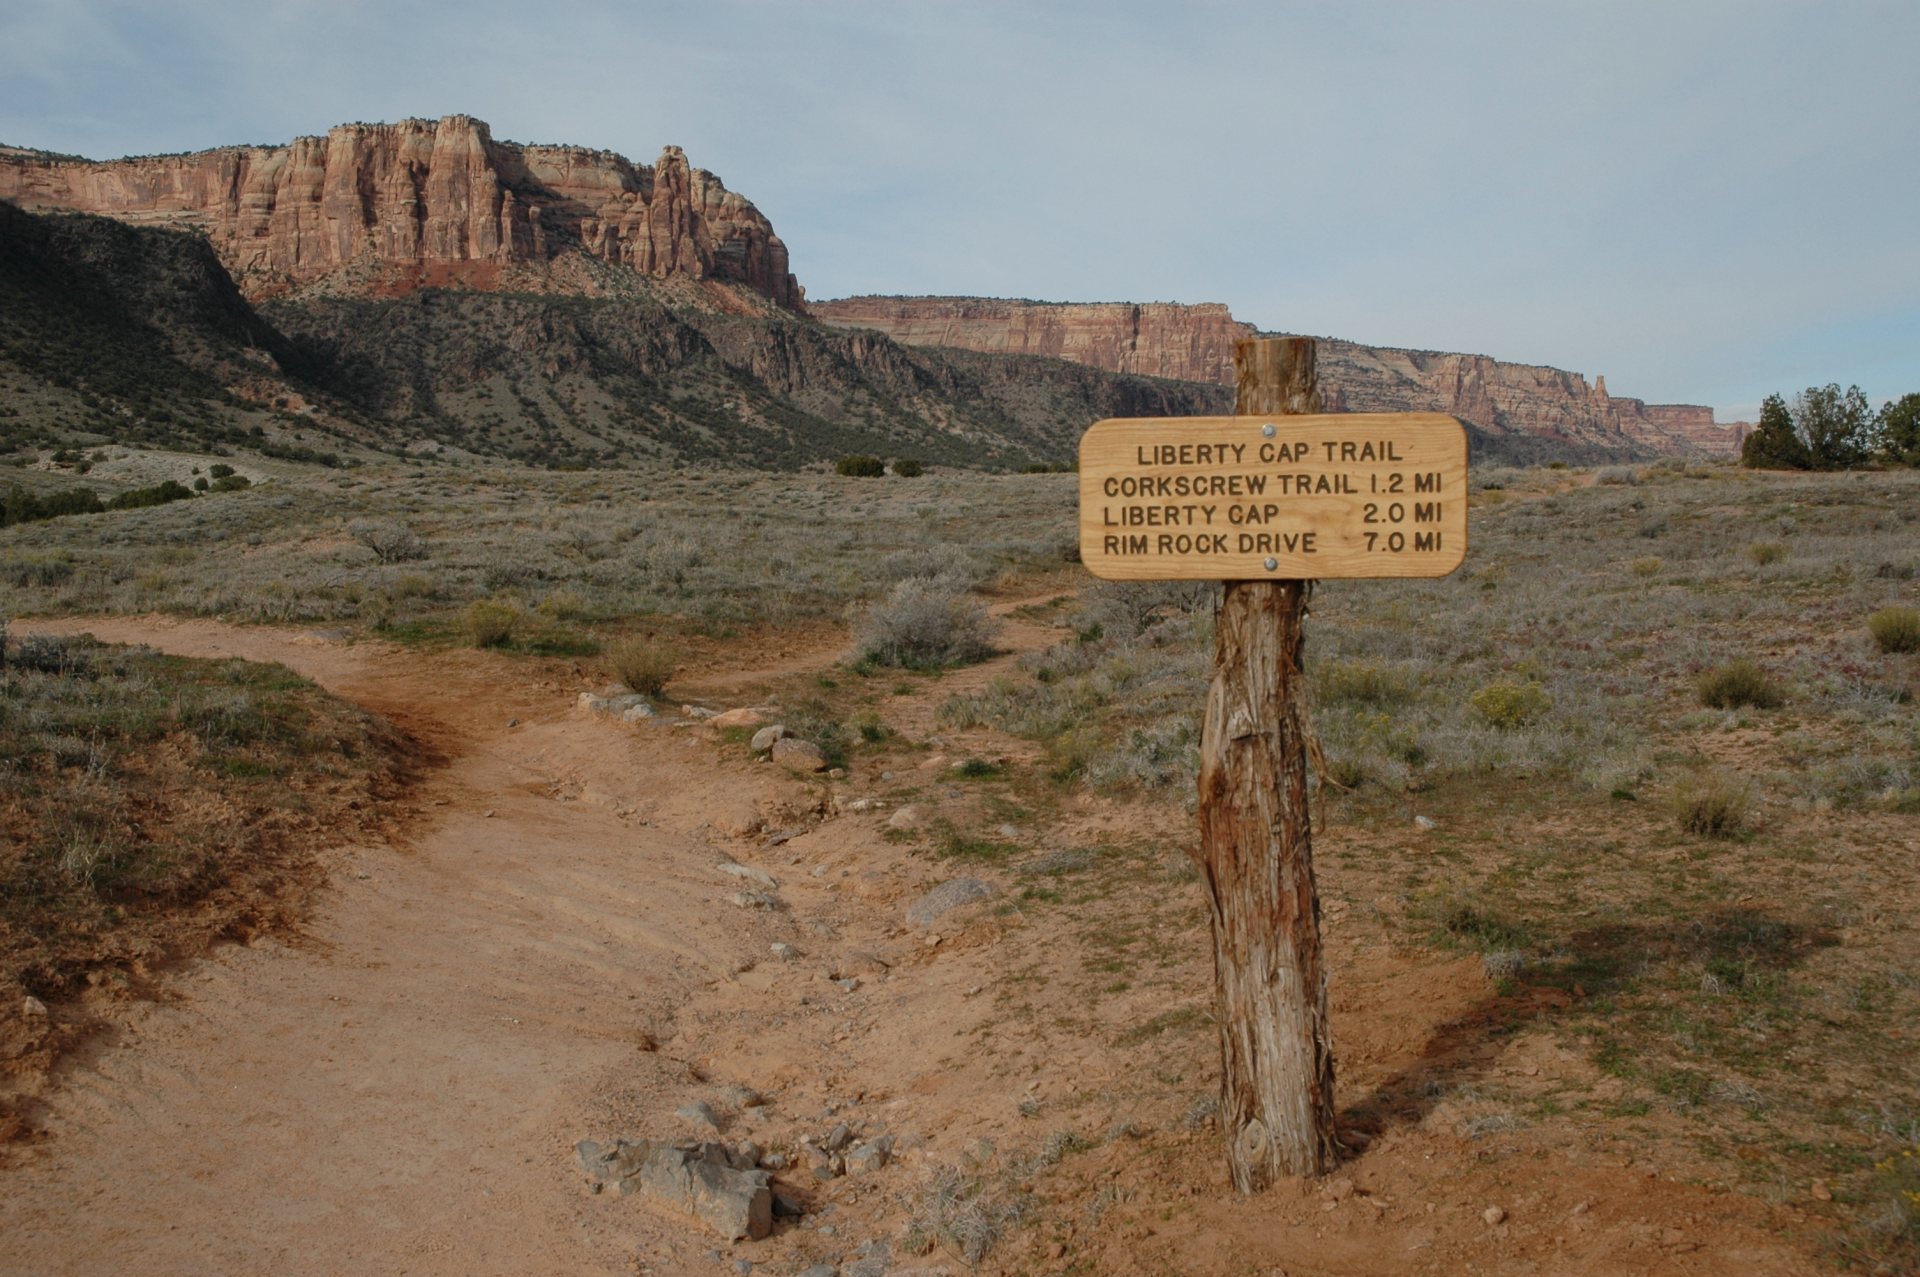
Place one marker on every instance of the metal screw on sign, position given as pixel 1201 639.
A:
pixel 1268 430
pixel 1273 565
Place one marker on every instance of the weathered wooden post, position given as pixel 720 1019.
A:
pixel 1268 501
pixel 1256 855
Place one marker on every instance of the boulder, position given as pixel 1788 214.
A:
pixel 864 1159
pixel 763 740
pixel 798 755
pixel 701 1181
pixel 628 707
pixel 699 1114
pixel 758 876
pixel 955 893
pixel 738 820
pixel 742 717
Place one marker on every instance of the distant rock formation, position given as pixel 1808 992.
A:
pixel 1195 343
pixel 382 208
pixel 1151 339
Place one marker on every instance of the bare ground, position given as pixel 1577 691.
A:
pixel 545 952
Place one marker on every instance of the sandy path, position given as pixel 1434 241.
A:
pixel 398 1091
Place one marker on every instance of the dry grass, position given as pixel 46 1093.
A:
pixel 1739 685
pixel 963 1213
pixel 1510 706
pixel 643 664
pixel 1643 857
pixel 491 622
pixel 1713 806
pixel 713 549
pixel 1895 629
pixel 157 801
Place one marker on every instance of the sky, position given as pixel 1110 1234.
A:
pixel 1705 202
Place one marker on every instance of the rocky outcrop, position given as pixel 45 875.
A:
pixel 1195 343
pixel 390 207
pixel 1151 339
pixel 1551 404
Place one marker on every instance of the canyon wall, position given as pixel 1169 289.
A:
pixel 1195 343
pixel 386 207
pixel 1153 339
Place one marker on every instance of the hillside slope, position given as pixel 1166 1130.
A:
pixel 127 334
pixel 118 332
pixel 1527 411
pixel 583 381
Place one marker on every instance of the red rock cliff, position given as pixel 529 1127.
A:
pixel 1195 343
pixel 422 201
pixel 1153 339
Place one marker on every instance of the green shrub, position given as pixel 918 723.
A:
pixel 861 467
pixel 1765 552
pixel 17 505
pixel 491 622
pixel 162 493
pixel 1648 566
pixel 1895 629
pixel 1713 806
pixel 1511 705
pixel 908 468
pixel 644 665
pixel 219 470
pixel 1738 684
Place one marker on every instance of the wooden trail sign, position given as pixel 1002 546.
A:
pixel 1247 498
pixel 1347 508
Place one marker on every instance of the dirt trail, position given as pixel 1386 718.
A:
pixel 549 954
pixel 399 1088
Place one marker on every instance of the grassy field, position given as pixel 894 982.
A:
pixel 1647 757
pixel 407 550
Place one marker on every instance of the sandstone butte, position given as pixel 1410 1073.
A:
pixel 1195 343
pixel 389 207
